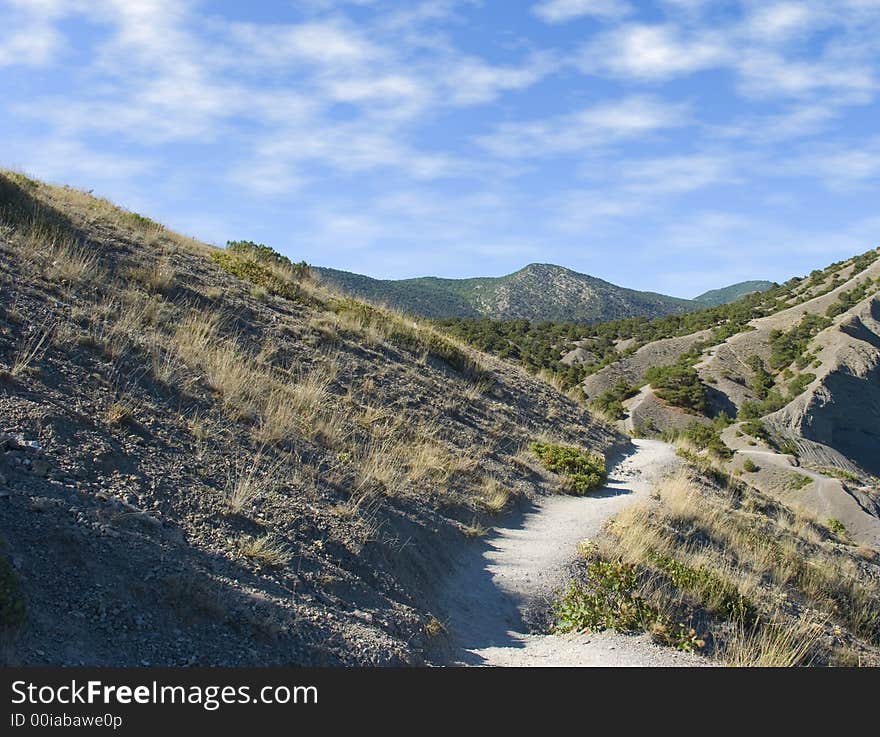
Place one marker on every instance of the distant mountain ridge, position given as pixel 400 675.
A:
pixel 535 292
pixel 725 295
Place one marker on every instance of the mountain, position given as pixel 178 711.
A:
pixel 536 292
pixel 732 293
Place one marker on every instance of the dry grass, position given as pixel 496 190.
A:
pixel 72 263
pixel 156 277
pixel 475 530
pixel 249 480
pixel 741 541
pixel 119 412
pixel 493 496
pixel 31 347
pixel 778 644
pixel 266 551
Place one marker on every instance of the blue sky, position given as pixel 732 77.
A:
pixel 673 145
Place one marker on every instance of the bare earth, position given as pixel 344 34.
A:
pixel 519 569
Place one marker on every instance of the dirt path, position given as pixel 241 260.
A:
pixel 505 585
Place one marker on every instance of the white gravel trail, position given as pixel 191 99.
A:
pixel 522 566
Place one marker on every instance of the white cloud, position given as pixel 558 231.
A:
pixel 591 127
pixel 840 167
pixel 781 21
pixel 769 74
pixel 676 174
pixel 325 43
pixel 472 81
pixel 654 52
pixel 561 11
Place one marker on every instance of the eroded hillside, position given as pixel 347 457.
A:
pixel 207 458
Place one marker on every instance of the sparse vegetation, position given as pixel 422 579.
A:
pixel 729 555
pixel 263 267
pixel 703 437
pixel 797 481
pixel 609 597
pixel 266 551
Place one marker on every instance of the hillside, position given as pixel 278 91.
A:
pixel 732 293
pixel 536 292
pixel 207 458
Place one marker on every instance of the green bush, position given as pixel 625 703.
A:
pixel 749 466
pixel 679 385
pixel 786 347
pixel 263 267
pixel 268 256
pixel 837 527
pixel 580 470
pixel 609 598
pixel 610 402
pixel 704 437
pixel 715 594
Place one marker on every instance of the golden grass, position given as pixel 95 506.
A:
pixel 156 277
pixel 72 263
pixel 778 644
pixel 266 551
pixel 493 496
pixel 118 412
pixel 474 530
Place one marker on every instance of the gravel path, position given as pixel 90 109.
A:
pixel 501 587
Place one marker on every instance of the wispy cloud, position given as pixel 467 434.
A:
pixel 589 128
pixel 562 11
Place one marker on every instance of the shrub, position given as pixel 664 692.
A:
pixel 785 347
pixel 581 471
pixel 609 598
pixel 263 267
pixel 836 526
pixel 704 437
pixel 749 466
pixel 610 402
pixel 761 382
pixel 679 385
pixel 266 551
pixel 717 594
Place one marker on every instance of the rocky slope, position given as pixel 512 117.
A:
pixel 205 459
pixel 803 382
pixel 536 292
